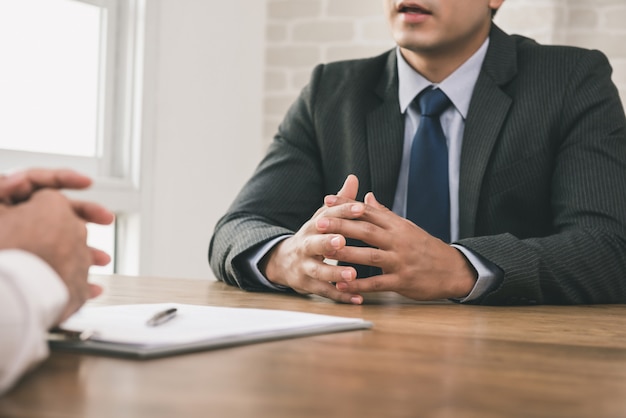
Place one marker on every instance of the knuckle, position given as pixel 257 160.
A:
pixel 377 285
pixel 375 256
pixel 325 292
pixel 51 194
pixel 333 223
pixel 390 260
pixel 369 229
pixel 314 271
pixel 318 212
pixel 307 244
pixel 337 275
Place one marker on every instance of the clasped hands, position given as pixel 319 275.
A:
pixel 36 217
pixel 414 264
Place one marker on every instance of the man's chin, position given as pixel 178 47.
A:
pixel 419 45
pixel 414 40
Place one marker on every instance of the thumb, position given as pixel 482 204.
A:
pixel 350 187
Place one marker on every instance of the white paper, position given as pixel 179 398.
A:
pixel 127 324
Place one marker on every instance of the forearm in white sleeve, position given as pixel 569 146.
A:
pixel 32 298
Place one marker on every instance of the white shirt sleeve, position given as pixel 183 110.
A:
pixel 32 298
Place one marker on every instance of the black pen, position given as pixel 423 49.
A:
pixel 161 317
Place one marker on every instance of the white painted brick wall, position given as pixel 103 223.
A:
pixel 600 24
pixel 302 33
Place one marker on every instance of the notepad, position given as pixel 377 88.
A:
pixel 122 330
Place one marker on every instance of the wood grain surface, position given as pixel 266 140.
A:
pixel 419 360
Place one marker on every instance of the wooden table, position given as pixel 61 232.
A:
pixel 419 360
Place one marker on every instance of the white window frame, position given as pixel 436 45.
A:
pixel 116 172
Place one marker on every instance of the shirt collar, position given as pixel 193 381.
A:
pixel 458 86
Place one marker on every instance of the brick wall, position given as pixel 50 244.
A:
pixel 302 33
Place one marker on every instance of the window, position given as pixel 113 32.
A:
pixel 50 75
pixel 70 83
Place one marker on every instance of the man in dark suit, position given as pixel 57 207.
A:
pixel 536 199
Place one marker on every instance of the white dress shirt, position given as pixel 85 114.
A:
pixel 32 297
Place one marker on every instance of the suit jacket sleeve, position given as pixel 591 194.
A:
pixel 284 192
pixel 575 249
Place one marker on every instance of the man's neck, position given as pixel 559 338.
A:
pixel 437 65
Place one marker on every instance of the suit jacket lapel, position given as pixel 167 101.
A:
pixel 385 135
pixel 487 113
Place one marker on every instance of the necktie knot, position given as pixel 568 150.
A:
pixel 433 102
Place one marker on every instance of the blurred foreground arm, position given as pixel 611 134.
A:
pixel 44 263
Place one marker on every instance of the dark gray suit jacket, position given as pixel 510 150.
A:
pixel 543 169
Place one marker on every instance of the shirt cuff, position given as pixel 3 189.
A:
pixel 488 274
pixel 252 259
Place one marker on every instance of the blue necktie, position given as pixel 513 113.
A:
pixel 428 196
